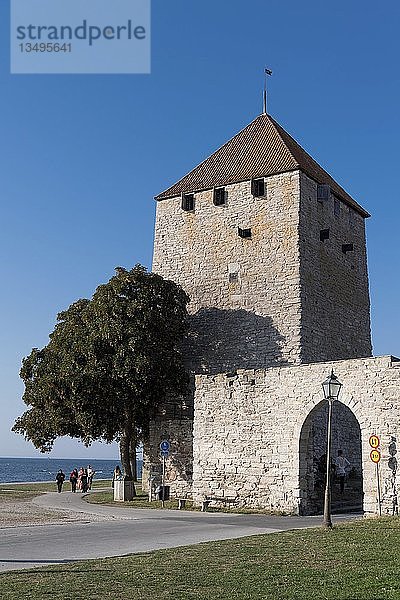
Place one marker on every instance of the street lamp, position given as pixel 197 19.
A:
pixel 331 387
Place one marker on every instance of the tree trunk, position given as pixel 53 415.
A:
pixel 132 456
pixel 125 449
pixel 124 452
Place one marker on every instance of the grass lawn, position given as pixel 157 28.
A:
pixel 16 495
pixel 141 501
pixel 27 491
pixel 356 561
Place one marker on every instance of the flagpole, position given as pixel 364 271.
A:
pixel 266 73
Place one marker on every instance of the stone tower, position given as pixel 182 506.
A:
pixel 272 253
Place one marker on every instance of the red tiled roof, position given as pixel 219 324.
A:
pixel 261 149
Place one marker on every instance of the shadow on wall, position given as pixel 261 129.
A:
pixel 179 469
pixel 224 340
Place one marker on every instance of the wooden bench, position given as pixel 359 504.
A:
pixel 221 499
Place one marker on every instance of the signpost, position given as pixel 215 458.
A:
pixel 164 451
pixel 374 441
pixel 165 446
pixel 375 456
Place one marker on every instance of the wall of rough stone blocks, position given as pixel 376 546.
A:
pixel 335 307
pixel 179 464
pixel 292 293
pixel 248 430
pixel 253 321
pixel 294 299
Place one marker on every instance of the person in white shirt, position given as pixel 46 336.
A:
pixel 90 473
pixel 341 465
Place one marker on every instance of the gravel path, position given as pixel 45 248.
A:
pixel 17 512
pixel 57 509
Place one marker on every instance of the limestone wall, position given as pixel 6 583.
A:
pixel 249 434
pixel 245 293
pixel 179 464
pixel 335 305
pixel 281 297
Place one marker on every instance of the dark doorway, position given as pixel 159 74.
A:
pixel 346 436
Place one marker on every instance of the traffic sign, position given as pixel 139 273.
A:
pixel 374 441
pixel 375 456
pixel 164 453
pixel 165 446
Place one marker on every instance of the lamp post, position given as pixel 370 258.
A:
pixel 331 387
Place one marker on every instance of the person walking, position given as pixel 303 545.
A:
pixel 73 479
pixel 84 481
pixel 341 465
pixel 90 473
pixel 80 473
pixel 60 477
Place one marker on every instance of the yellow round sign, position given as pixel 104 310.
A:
pixel 375 456
pixel 374 441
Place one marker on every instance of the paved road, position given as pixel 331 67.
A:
pixel 118 531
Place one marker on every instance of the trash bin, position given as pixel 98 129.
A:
pixel 123 490
pixel 163 492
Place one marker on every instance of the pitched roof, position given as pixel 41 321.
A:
pixel 261 149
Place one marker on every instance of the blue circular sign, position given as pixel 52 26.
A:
pixel 164 446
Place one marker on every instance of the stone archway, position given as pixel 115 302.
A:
pixel 346 436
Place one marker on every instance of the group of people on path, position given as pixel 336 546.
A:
pixel 80 480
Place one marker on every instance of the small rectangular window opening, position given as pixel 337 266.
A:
pixel 219 196
pixel 244 233
pixel 258 187
pixel 233 277
pixel 336 206
pixel 347 248
pixel 323 192
pixel 324 234
pixel 188 202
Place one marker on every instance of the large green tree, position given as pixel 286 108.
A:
pixel 109 363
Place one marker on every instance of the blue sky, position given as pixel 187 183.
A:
pixel 82 156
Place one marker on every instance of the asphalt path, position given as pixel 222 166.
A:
pixel 117 531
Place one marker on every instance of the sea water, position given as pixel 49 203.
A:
pixel 13 470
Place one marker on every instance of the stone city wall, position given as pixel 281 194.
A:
pixel 248 431
pixel 245 293
pixel 281 297
pixel 178 465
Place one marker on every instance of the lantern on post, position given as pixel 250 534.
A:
pixel 331 387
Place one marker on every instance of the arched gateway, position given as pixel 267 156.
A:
pixel 346 436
